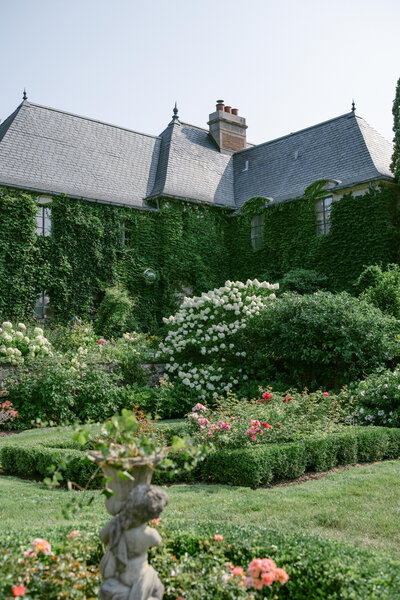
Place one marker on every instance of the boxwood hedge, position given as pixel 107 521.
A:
pixel 252 467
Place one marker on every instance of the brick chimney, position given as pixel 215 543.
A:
pixel 227 129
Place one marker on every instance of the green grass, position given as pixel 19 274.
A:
pixel 358 505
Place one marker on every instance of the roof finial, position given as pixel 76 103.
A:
pixel 175 111
pixel 24 96
pixel 353 106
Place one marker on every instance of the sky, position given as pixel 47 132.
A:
pixel 284 64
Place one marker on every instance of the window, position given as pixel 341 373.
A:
pixel 42 308
pixel 126 234
pixel 43 221
pixel 323 215
pixel 257 231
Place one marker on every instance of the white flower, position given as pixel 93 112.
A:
pixel 6 325
pixel 38 331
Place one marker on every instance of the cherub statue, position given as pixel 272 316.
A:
pixel 126 572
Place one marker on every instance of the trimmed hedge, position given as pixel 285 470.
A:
pixel 318 568
pixel 252 467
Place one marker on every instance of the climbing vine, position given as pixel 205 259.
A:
pixel 186 247
pixel 182 244
pixel 364 230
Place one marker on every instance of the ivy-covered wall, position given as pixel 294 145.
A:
pixel 186 244
pixel 364 230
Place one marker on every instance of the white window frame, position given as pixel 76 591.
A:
pixel 42 310
pixel 257 231
pixel 323 209
pixel 43 217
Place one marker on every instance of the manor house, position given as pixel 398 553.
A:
pixel 50 154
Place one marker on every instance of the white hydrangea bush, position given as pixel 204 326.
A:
pixel 201 346
pixel 16 345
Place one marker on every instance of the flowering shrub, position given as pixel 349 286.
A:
pixel 377 398
pixel 76 334
pixel 68 569
pixel 271 418
pixel 260 573
pixel 7 412
pixel 202 343
pixel 16 346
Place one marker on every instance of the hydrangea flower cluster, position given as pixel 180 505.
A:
pixel 15 345
pixel 201 344
pixel 377 399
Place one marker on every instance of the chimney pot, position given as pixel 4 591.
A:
pixel 220 105
pixel 227 109
pixel 235 111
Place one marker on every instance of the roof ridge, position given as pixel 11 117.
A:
pixel 6 124
pixel 64 112
pixel 282 137
pixel 374 130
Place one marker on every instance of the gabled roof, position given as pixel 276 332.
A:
pixel 190 166
pixel 345 148
pixel 53 151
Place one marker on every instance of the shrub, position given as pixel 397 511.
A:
pixel 303 281
pixel 64 393
pixel 249 466
pixel 115 313
pixel 320 340
pixel 382 288
pixel 317 567
pixel 201 343
pixel 377 398
pixel 16 346
pixel 271 418
pixel 126 356
pixel 77 334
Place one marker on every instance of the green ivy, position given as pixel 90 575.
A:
pixel 364 231
pixel 190 247
pixel 182 243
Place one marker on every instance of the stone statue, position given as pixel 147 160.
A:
pixel 126 572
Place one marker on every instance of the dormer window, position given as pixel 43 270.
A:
pixel 257 223
pixel 43 217
pixel 323 215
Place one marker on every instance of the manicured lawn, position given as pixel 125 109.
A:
pixel 359 505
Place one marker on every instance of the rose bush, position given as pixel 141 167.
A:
pixel 271 418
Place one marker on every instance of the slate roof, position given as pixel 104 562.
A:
pixel 345 148
pixel 52 151
pixel 57 152
pixel 191 167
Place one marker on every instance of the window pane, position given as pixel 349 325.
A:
pixel 46 221
pixel 39 220
pixel 257 231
